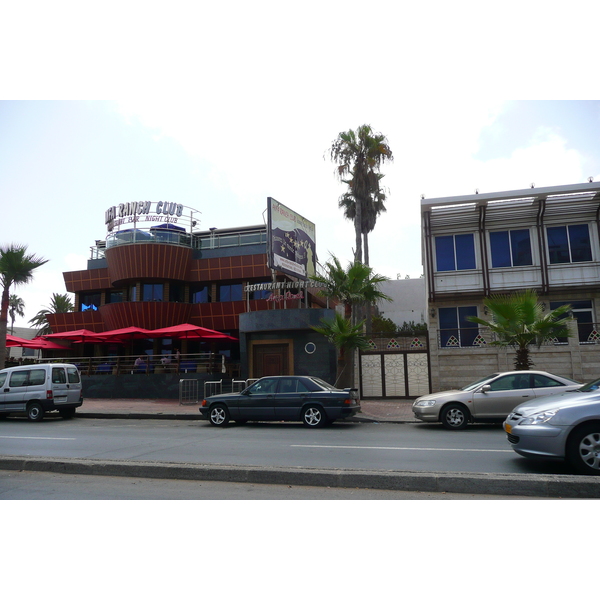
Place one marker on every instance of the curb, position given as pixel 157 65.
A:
pixel 546 486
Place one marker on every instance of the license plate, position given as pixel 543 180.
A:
pixel 507 428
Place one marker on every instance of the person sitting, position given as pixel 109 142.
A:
pixel 140 363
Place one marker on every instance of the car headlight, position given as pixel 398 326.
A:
pixel 540 418
pixel 425 403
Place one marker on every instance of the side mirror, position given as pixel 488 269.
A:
pixel 485 388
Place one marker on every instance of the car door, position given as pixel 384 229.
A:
pixel 13 391
pixel 257 403
pixel 502 395
pixel 291 395
pixel 73 385
pixel 60 387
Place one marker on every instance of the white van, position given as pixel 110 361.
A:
pixel 37 389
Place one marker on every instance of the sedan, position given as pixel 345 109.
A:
pixel 564 427
pixel 490 398
pixel 284 398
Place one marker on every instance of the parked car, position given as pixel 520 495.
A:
pixel 490 398
pixel 566 426
pixel 283 398
pixel 38 388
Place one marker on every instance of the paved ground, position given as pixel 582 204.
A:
pixel 395 411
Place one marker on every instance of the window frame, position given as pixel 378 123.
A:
pixel 511 247
pixel 458 258
pixel 570 237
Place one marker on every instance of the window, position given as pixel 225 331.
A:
pixel 230 292
pixel 510 248
pixel 176 292
pixel 455 330
pixel 89 301
pixel 260 294
pixel 58 375
pixel 543 381
pixel 152 292
pixel 115 296
pixel 584 315
pixel 511 382
pixel 199 293
pixel 455 252
pixel 569 244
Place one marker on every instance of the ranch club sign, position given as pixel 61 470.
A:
pixel 135 212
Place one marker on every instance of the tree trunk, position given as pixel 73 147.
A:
pixel 523 360
pixel 358 230
pixel 3 326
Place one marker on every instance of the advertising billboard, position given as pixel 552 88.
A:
pixel 292 241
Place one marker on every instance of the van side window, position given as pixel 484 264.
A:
pixel 73 375
pixel 19 378
pixel 37 377
pixel 58 375
pixel 2 379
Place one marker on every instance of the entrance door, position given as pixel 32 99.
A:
pixel 270 359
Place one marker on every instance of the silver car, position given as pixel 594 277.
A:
pixel 490 398
pixel 566 427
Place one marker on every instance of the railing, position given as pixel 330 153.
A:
pixel 203 362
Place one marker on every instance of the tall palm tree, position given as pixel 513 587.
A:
pixel 59 303
pixel 16 268
pixel 16 308
pixel 346 338
pixel 354 286
pixel 359 155
pixel 518 320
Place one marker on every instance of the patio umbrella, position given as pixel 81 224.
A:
pixel 126 334
pixel 14 341
pixel 37 343
pixel 82 336
pixel 189 331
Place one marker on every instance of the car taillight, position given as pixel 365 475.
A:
pixel 48 394
pixel 204 403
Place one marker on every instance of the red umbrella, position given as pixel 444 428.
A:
pixel 126 333
pixel 187 330
pixel 13 340
pixel 37 343
pixel 77 335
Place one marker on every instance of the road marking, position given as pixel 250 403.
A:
pixel 399 448
pixel 21 437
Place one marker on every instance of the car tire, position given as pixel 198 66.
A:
pixel 67 413
pixel 314 416
pixel 218 415
pixel 455 417
pixel 583 449
pixel 35 411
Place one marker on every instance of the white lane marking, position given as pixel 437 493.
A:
pixel 21 437
pixel 400 448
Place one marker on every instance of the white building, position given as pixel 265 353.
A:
pixel 544 239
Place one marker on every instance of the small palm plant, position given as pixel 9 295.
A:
pixel 346 338
pixel 518 320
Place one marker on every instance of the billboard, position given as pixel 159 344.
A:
pixel 291 241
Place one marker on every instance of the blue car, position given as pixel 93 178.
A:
pixel 283 398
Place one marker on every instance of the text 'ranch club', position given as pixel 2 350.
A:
pixel 136 209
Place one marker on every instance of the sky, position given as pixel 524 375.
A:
pixel 218 108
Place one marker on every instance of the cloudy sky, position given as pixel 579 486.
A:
pixel 218 108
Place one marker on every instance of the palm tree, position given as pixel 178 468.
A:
pixel 59 303
pixel 356 285
pixel 359 155
pixel 346 338
pixel 518 320
pixel 16 268
pixel 16 308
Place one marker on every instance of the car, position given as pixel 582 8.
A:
pixel 36 389
pixel 283 398
pixel 488 399
pixel 563 427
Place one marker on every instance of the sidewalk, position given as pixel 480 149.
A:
pixel 390 411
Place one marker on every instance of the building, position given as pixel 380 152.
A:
pixel 156 269
pixel 544 239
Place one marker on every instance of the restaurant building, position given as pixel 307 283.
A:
pixel 157 268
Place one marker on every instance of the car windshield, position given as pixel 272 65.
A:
pixel 481 381
pixel 592 386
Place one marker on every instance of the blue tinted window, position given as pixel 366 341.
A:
pixel 579 237
pixel 444 253
pixel 500 249
pixel 455 252
pixel 228 293
pixel 455 329
pixel 520 245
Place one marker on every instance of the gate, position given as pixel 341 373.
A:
pixel 395 368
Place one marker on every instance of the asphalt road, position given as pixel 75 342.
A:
pixel 406 447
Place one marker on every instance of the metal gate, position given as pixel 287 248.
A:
pixel 398 370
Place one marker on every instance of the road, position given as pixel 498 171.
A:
pixel 394 447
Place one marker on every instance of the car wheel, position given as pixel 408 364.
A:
pixel 35 411
pixel 219 415
pixel 314 416
pixel 67 413
pixel 455 417
pixel 583 449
